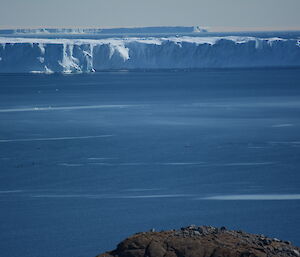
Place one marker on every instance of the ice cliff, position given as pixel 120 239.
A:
pixel 85 55
pixel 134 30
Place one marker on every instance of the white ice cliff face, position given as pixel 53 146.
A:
pixel 86 55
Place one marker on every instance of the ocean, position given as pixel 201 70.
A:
pixel 89 159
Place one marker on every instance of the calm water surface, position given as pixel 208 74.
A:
pixel 86 160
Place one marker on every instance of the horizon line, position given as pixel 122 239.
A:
pixel 208 28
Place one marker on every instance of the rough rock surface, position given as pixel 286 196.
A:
pixel 203 241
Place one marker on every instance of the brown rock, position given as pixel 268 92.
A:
pixel 204 241
pixel 155 249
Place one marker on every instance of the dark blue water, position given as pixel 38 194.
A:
pixel 86 160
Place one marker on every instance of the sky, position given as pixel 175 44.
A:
pixel 137 13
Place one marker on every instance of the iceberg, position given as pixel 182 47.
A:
pixel 174 52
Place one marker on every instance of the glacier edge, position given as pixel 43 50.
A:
pixel 88 55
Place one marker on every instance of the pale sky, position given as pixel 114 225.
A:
pixel 136 13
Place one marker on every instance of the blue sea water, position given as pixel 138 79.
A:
pixel 89 159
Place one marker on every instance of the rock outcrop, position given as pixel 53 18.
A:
pixel 203 241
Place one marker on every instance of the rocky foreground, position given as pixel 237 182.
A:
pixel 204 241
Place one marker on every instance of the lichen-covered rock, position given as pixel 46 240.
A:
pixel 203 241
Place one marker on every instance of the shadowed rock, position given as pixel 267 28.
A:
pixel 203 241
